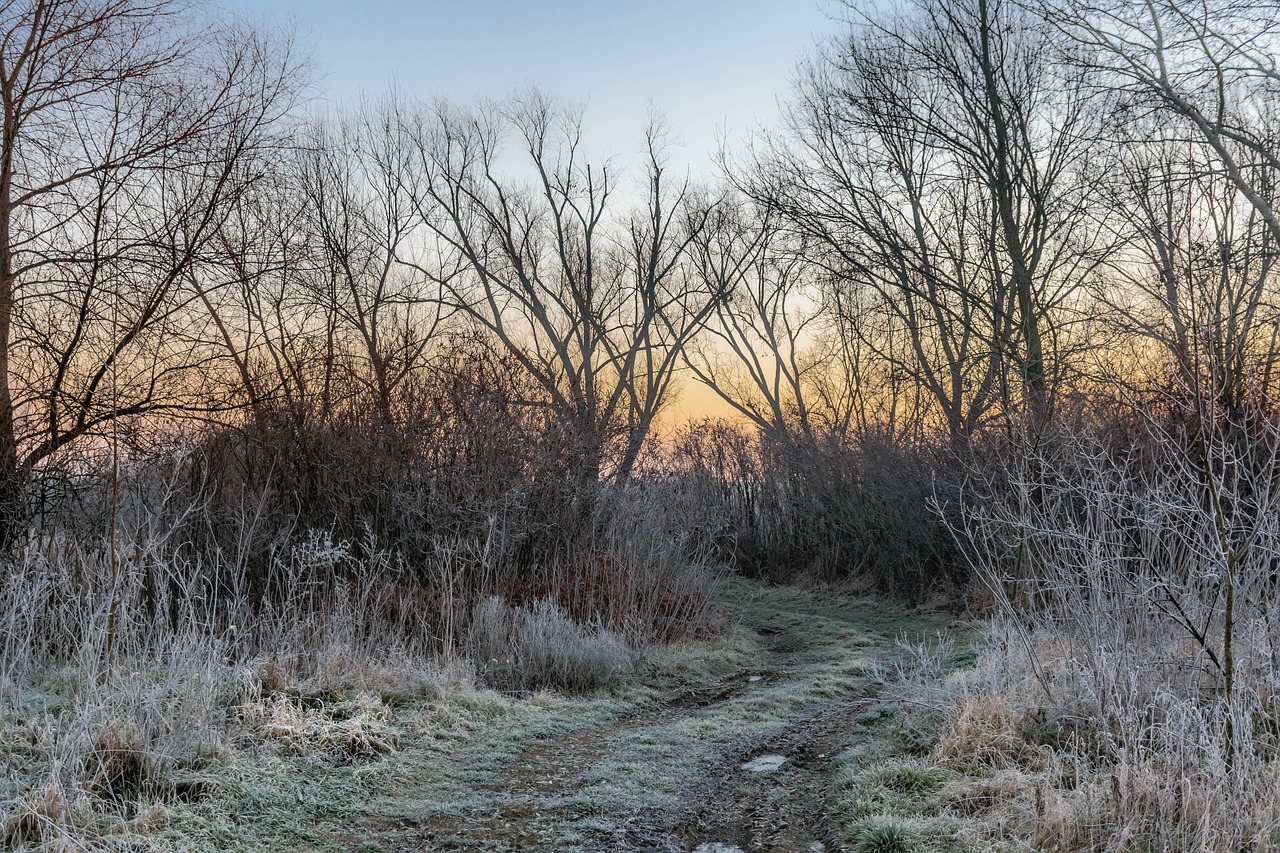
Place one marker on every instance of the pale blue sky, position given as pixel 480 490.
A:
pixel 705 63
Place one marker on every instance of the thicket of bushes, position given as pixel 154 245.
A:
pixel 461 494
pixel 852 510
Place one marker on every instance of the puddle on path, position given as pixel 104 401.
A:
pixel 765 763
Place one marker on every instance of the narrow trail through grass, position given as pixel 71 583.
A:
pixel 652 766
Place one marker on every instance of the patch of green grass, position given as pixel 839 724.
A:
pixel 888 795
pixel 886 835
pixel 910 778
pixel 886 786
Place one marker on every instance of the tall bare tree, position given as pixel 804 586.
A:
pixel 128 126
pixel 933 153
pixel 762 348
pixel 361 216
pixel 1212 63
pixel 595 304
pixel 1196 277
pixel 1192 93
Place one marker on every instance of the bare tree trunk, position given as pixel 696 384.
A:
pixel 11 485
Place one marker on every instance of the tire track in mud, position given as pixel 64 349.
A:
pixel 782 810
pixel 730 808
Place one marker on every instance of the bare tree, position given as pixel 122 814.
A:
pixel 763 349
pixel 1192 93
pixel 933 155
pixel 261 318
pixel 128 128
pixel 1196 275
pixel 1210 62
pixel 595 305
pixel 361 215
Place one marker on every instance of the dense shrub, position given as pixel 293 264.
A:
pixel 860 512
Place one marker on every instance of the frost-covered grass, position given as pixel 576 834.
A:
pixel 315 735
pixel 974 754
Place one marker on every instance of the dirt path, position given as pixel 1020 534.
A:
pixel 785 809
pixel 671 773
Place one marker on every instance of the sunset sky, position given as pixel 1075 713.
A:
pixel 708 64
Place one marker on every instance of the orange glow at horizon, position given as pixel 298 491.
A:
pixel 692 400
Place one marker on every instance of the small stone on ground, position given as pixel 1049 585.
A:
pixel 717 847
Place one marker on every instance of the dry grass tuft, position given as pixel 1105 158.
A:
pixel 119 767
pixel 54 812
pixel 980 795
pixel 987 734
pixel 527 648
pixel 359 728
